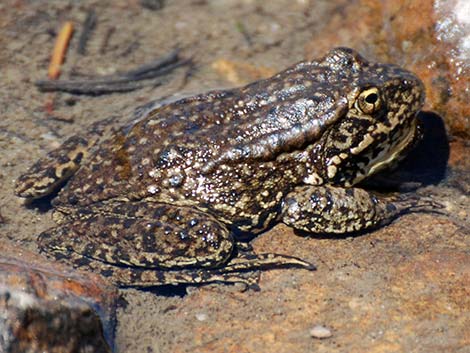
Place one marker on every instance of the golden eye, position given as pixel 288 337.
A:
pixel 369 101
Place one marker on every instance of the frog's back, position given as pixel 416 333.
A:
pixel 199 134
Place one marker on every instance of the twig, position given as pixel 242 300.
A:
pixel 152 4
pixel 13 134
pixel 91 88
pixel 130 48
pixel 242 29
pixel 88 26
pixel 107 37
pixel 170 58
pixel 124 82
pixel 60 48
pixel 187 74
pixel 160 71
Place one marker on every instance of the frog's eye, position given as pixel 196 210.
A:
pixel 369 101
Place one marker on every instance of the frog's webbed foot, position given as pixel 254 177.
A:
pixel 52 171
pixel 409 203
pixel 328 209
pixel 246 259
pixel 151 278
pixel 250 261
pixel 243 268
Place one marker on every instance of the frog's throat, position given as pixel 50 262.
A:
pixel 387 158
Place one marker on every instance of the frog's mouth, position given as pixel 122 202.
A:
pixel 394 153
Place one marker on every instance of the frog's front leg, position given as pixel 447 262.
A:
pixel 50 172
pixel 329 209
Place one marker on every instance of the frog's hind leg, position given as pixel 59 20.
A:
pixel 143 235
pixel 52 171
pixel 147 243
pixel 133 276
pixel 124 276
pixel 242 269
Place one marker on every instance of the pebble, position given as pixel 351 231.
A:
pixel 319 331
pixel 201 316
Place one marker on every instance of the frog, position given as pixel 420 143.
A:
pixel 168 197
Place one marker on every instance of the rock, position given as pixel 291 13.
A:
pixel 30 324
pixel 47 307
pixel 319 331
pixel 201 316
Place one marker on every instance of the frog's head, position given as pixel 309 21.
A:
pixel 378 127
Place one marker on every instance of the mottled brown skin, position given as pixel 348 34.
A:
pixel 160 200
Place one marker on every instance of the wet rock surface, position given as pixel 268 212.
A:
pixel 46 307
pixel 402 288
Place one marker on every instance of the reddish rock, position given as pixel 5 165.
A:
pixel 443 271
pixel 459 150
pixel 47 307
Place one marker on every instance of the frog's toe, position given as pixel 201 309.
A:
pixel 49 173
pixel 40 182
pixel 249 261
pixel 244 247
pixel 409 203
